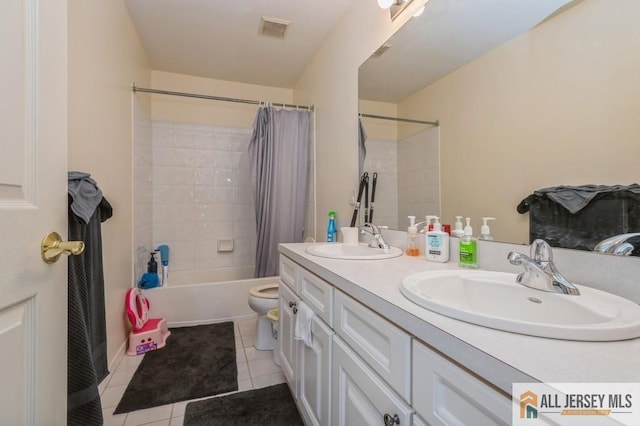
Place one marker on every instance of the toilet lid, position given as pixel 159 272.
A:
pixel 265 291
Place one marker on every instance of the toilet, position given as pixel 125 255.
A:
pixel 262 298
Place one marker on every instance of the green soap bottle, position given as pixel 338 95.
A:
pixel 468 248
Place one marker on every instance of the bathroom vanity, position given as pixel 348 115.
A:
pixel 378 358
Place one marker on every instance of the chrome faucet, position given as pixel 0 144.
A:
pixel 617 245
pixel 375 236
pixel 539 270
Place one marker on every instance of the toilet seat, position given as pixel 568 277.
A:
pixel 265 291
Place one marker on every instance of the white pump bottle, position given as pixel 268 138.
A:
pixel 437 242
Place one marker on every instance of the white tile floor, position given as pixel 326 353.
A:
pixel 255 370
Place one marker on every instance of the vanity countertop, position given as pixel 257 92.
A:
pixel 498 356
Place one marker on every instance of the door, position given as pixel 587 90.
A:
pixel 33 200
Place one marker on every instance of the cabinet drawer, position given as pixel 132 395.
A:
pixel 360 397
pixel 385 347
pixel 288 272
pixel 445 394
pixel 316 293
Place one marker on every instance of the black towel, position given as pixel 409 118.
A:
pixel 87 336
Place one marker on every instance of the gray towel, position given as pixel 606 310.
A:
pixel 85 194
pixel 575 198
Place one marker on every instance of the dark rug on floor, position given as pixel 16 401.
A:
pixel 271 406
pixel 197 361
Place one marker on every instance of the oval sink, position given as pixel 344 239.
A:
pixel 495 300
pixel 352 252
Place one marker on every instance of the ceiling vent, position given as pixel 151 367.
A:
pixel 380 50
pixel 273 27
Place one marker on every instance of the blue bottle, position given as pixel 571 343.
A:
pixel 331 228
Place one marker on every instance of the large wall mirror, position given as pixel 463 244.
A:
pixel 529 95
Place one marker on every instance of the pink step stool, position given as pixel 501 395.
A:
pixel 148 333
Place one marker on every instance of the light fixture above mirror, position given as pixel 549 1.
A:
pixel 394 6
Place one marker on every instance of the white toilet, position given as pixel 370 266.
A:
pixel 262 298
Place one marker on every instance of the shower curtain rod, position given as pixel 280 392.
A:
pixel 404 120
pixel 216 98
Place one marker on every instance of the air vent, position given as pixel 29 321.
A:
pixel 273 27
pixel 380 50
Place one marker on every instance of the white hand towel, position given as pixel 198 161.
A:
pixel 302 329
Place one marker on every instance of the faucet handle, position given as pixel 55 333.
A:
pixel 541 251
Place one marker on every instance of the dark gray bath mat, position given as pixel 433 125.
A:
pixel 271 406
pixel 197 361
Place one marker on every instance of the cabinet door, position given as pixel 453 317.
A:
pixel 314 376
pixel 287 345
pixel 385 347
pixel 445 394
pixel 360 396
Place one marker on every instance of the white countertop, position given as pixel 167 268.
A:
pixel 500 357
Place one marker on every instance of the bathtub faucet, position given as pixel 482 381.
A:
pixel 539 270
pixel 375 236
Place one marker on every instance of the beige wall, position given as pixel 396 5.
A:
pixel 377 129
pixel 330 82
pixel 190 110
pixel 558 105
pixel 105 57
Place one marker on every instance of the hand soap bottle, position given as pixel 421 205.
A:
pixel 437 242
pixel 485 232
pixel 468 248
pixel 412 238
pixel 331 228
pixel 457 228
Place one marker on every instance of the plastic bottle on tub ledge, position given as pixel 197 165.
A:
pixel 331 228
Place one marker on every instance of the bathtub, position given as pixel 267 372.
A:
pixel 204 303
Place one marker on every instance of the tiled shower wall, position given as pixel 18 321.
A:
pixel 142 187
pixel 203 197
pixel 382 158
pixel 419 176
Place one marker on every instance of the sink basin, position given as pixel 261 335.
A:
pixel 352 252
pixel 495 300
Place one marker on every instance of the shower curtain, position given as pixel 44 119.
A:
pixel 278 151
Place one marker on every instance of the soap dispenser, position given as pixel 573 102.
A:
pixel 412 238
pixel 468 248
pixel 457 228
pixel 437 242
pixel 485 232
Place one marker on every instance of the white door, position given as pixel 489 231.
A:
pixel 33 202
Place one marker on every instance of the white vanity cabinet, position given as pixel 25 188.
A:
pixel 306 369
pixel 446 394
pixel 364 370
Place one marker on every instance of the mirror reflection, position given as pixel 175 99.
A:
pixel 551 103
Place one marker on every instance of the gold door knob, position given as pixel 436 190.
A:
pixel 53 246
